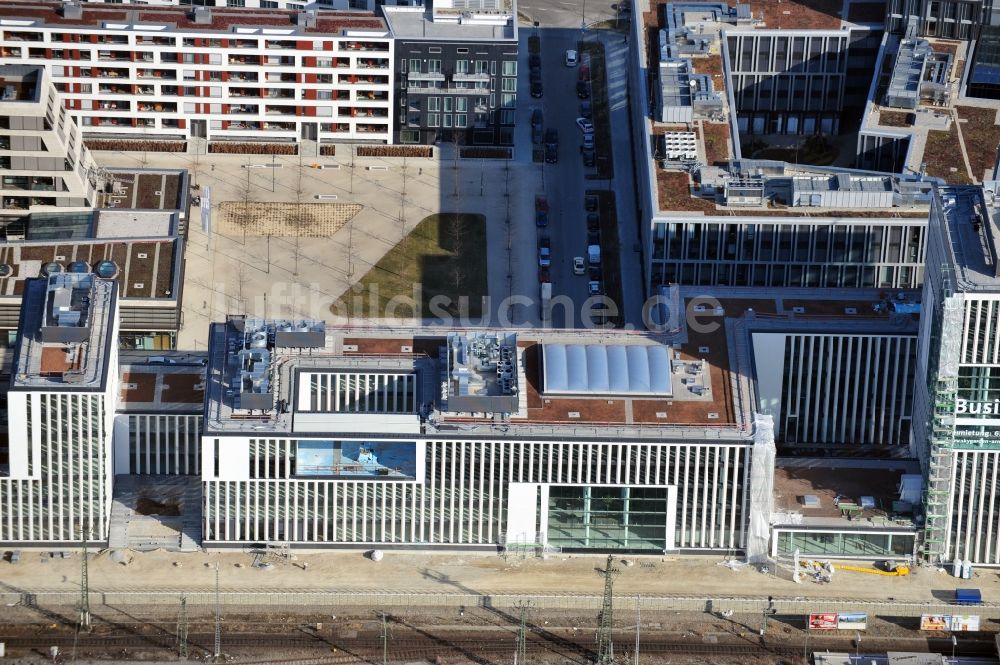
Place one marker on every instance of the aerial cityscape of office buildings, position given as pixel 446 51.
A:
pixel 810 194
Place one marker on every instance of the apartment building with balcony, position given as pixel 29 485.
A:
pixel 220 75
pixel 45 165
pixel 456 72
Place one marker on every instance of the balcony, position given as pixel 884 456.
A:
pixel 373 63
pixel 111 89
pixel 280 110
pixel 287 44
pixel 244 43
pixel 10 52
pixel 144 56
pixel 367 128
pixel 110 73
pixel 165 74
pixel 356 79
pixel 27 183
pixel 372 95
pixel 114 56
pixel 112 105
pixel 247 109
pixel 244 60
pixel 275 77
pixel 244 92
pixel 245 125
pixel 146 123
pixel 279 61
pixel 339 127
pixel 112 39
pixel 364 112
pixel 155 41
pixel 364 46
pixel 157 107
pixel 16 202
pixel 243 77
pixel 4 143
pixel 21 36
pixel 277 93
pixel 108 122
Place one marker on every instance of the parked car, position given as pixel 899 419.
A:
pixel 536 89
pixel 586 126
pixel 594 255
pixel 534 60
pixel 593 238
pixel 594 288
pixel 586 110
pixel 551 146
pixel 590 202
pixel 571 58
pixel 544 275
pixel 584 73
pixel 541 211
pixel 594 274
pixel 578 265
pixel 544 257
pixel 583 90
pixel 589 156
pixel 535 74
pixel 536 126
pixel 545 241
pixel 593 221
pixel 588 141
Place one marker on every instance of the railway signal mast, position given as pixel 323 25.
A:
pixel 605 644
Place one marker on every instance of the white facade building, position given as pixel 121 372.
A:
pixel 61 404
pixel 375 438
pixel 44 162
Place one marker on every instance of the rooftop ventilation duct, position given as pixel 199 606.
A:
pixel 202 15
pixel 306 19
pixel 72 11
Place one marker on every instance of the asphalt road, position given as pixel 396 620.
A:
pixel 566 13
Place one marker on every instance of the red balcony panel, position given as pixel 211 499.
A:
pixel 182 124
pixel 311 78
pixel 310 94
pixel 308 61
pixel 304 45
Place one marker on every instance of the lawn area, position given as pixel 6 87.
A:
pixel 716 143
pixel 893 119
pixel 445 255
pixel 981 137
pixel 942 153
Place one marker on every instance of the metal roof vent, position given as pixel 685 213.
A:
pixel 72 11
pixel 202 15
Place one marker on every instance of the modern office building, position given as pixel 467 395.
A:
pixel 984 72
pixel 358 437
pixel 213 74
pixel 45 164
pixel 456 76
pixel 956 401
pixel 945 19
pixel 55 483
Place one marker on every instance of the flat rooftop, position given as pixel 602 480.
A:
pixel 419 23
pixel 41 14
pixel 65 335
pixel 699 398
pixel 970 216
pixel 144 189
pixel 162 382
pixel 829 483
pixel 20 84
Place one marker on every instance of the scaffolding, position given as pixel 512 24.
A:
pixel 761 489
pixel 943 392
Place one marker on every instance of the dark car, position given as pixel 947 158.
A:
pixel 593 221
pixel 541 211
pixel 590 202
pixel 534 61
pixel 536 126
pixel 544 241
pixel 535 75
pixel 594 273
pixel 586 111
pixel 551 146
pixel 583 90
pixel 593 238
pixel 589 157
pixel 544 275
pixel 536 89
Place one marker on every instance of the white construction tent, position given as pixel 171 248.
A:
pixel 606 369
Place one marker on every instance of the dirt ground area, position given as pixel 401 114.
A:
pixel 465 572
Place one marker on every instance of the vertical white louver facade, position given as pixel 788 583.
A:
pixel 462 493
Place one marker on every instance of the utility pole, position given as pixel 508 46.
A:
pixel 84 580
pixel 521 648
pixel 218 616
pixel 385 641
pixel 605 643
pixel 182 630
pixel 638 620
